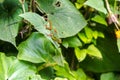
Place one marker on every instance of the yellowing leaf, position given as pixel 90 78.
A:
pixel 88 32
pixel 80 54
pixel 93 51
pixel 78 6
pixel 100 34
pixel 95 34
pixel 83 37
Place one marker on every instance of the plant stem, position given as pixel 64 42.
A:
pixel 22 3
pixel 23 8
pixel 108 7
pixel 112 16
pixel 45 65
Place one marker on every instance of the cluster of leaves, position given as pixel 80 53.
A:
pixel 59 40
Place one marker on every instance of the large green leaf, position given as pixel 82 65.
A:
pixel 64 17
pixel 36 20
pixel 40 25
pixel 98 5
pixel 13 69
pixel 9 20
pixel 37 49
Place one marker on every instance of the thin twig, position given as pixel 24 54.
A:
pixel 112 16
pixel 23 6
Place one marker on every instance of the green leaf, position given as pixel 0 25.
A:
pixel 80 75
pixel 93 51
pixel 39 24
pixel 88 33
pixel 1 1
pixel 84 38
pixel 65 18
pixel 80 54
pixel 97 5
pixel 9 20
pixel 79 3
pixel 100 20
pixel 100 34
pixel 110 55
pixel 64 71
pixel 36 20
pixel 95 34
pixel 108 76
pixel 37 49
pixel 71 42
pixel 11 69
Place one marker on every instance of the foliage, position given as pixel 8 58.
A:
pixel 59 40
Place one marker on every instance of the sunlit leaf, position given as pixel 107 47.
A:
pixel 37 49
pixel 79 3
pixel 80 54
pixel 88 33
pixel 11 69
pixel 100 34
pixel 80 74
pixel 93 51
pixel 64 17
pixel 84 38
pixel 95 34
pixel 66 70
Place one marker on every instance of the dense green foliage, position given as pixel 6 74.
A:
pixel 59 40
